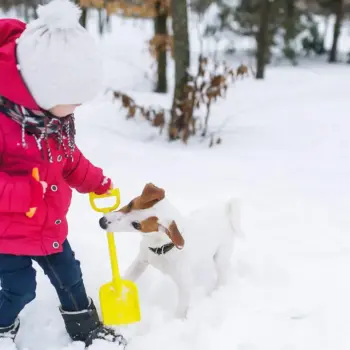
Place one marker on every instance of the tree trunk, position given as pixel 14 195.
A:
pixel 290 31
pixel 34 8
pixel 108 23
pixel 262 38
pixel 290 19
pixel 83 18
pixel 339 14
pixel 100 21
pixel 181 44
pixel 160 28
pixel 182 61
pixel 26 13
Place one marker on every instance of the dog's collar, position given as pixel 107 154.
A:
pixel 163 249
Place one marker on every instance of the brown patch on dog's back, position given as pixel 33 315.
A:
pixel 151 195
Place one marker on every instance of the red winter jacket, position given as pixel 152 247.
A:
pixel 45 232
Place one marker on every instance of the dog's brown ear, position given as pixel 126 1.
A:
pixel 152 193
pixel 175 235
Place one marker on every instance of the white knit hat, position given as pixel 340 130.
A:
pixel 58 59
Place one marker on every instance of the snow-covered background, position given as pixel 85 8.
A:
pixel 285 154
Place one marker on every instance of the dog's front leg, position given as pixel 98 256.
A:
pixel 136 269
pixel 183 281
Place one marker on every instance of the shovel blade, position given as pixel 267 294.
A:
pixel 120 306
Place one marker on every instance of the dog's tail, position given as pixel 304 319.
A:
pixel 234 216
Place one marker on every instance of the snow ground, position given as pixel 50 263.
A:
pixel 286 154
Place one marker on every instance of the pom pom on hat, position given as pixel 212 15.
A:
pixel 58 59
pixel 59 14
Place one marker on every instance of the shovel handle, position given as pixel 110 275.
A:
pixel 114 261
pixel 35 174
pixel 110 235
pixel 112 193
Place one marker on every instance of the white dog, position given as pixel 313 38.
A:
pixel 175 245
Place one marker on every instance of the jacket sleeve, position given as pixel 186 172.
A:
pixel 80 174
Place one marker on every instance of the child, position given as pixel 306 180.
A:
pixel 47 69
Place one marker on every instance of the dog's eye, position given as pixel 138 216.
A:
pixel 136 225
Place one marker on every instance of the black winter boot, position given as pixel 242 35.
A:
pixel 86 326
pixel 8 335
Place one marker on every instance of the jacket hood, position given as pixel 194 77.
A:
pixel 12 85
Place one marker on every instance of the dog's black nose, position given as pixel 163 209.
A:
pixel 103 223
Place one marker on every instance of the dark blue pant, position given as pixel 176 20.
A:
pixel 18 283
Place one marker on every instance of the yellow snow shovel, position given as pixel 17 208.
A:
pixel 119 298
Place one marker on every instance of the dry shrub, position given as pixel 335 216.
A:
pixel 92 3
pixel 201 91
pixel 161 42
pixel 143 9
pixel 156 117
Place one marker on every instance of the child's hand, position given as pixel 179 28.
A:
pixel 105 186
pixel 44 184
